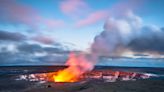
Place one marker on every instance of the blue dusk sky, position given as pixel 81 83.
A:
pixel 43 32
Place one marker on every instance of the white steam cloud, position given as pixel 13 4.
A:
pixel 126 31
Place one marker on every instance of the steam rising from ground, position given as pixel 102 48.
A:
pixel 78 64
pixel 125 31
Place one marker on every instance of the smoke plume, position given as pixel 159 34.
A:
pixel 126 31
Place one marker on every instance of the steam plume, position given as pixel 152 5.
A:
pixel 126 31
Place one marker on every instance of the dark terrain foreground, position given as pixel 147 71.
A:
pixel 153 85
pixel 10 81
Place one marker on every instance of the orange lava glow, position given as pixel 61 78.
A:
pixel 66 75
pixel 77 65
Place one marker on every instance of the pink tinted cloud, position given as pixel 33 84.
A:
pixel 92 18
pixel 73 7
pixel 13 12
pixel 52 23
pixel 119 7
pixel 43 39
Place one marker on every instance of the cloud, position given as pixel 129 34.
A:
pixel 31 54
pixel 11 11
pixel 101 15
pixel 93 18
pixel 149 40
pixel 53 23
pixel 15 13
pixel 11 48
pixel 73 7
pixel 126 31
pixel 17 59
pixel 11 36
pixel 29 48
pixel 43 39
pixel 56 50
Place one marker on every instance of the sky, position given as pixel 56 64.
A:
pixel 44 32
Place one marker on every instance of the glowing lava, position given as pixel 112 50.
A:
pixel 77 65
